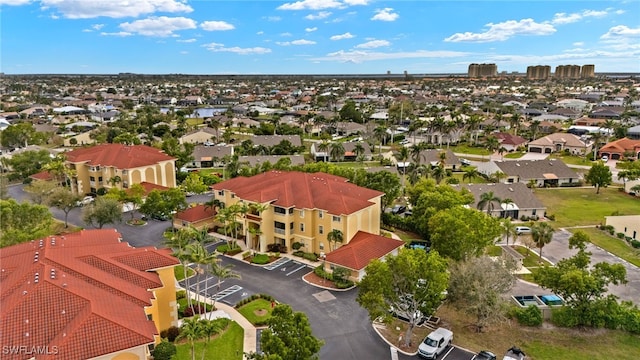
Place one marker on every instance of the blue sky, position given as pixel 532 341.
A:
pixel 314 36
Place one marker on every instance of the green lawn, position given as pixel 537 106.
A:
pixel 227 346
pixel 179 272
pixel 514 155
pixel 571 159
pixel 256 311
pixel 465 149
pixel 531 259
pixel 575 207
pixel 613 245
pixel 476 180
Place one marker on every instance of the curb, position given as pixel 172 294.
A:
pixel 324 287
pixel 375 328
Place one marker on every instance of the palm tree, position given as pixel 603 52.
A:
pixel 335 236
pixel 542 233
pixel 415 150
pixel 492 144
pixel 201 258
pixel 497 176
pixel 337 151
pixel 533 127
pixel 403 156
pixel 179 241
pixel 209 328
pixel 358 149
pixel 487 200
pixel 192 329
pixel 438 173
pixel 508 229
pixel 470 174
pixel 222 273
pixel 324 147
pixel 380 133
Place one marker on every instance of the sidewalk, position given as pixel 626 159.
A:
pixel 249 344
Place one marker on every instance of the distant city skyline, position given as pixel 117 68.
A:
pixel 314 36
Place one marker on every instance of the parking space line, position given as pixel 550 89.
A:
pixel 448 352
pixel 277 263
pixel 299 268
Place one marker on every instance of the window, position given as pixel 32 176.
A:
pixel 149 317
pixel 321 230
pixel 92 178
pixel 320 214
pixel 233 196
pixel 125 184
pixel 291 226
pixel 100 179
pixel 279 210
pixel 301 213
pixel 302 227
pixel 336 218
pixel 321 246
pixel 291 211
pixel 124 172
pixel 221 193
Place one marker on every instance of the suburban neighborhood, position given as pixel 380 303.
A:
pixel 185 216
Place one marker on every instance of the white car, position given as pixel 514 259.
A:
pixel 605 158
pixel 435 343
pixel 523 230
pixel 85 201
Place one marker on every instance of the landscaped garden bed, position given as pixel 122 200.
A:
pixel 184 310
pixel 257 308
pixel 260 259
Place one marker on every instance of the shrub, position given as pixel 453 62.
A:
pixel 297 245
pixel 197 309
pixel 319 270
pixel 246 254
pixel 564 317
pixel 164 351
pixel 551 217
pixel 630 319
pixel 298 253
pixel 260 259
pixel 249 299
pixel 222 248
pixel 170 334
pixel 310 256
pixel 341 274
pixel 620 235
pixel 344 284
pixel 635 244
pixel 529 316
pixel 181 294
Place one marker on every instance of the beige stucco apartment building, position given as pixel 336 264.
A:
pixel 119 165
pixel 300 207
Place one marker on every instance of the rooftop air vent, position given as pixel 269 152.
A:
pixel 53 273
pixel 36 277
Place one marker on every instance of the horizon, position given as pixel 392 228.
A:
pixel 320 37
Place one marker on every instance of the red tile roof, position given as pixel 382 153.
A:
pixel 118 155
pixel 196 213
pixel 42 175
pixel 362 248
pixel 331 193
pixel 621 146
pixel 510 139
pixel 82 294
pixel 148 187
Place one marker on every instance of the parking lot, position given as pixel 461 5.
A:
pixel 456 353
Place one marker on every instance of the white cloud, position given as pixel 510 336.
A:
pixel 215 47
pixel 564 18
pixel 286 34
pixel 311 5
pixel 273 18
pixel 97 26
pixel 373 44
pixel 120 34
pixel 186 40
pixel 578 43
pixel 621 31
pixel 86 9
pixel 260 33
pixel 14 2
pixel 503 31
pixel 385 14
pixel 357 2
pixel 319 16
pixel 342 36
pixel 216 26
pixel 361 56
pixel 311 29
pixel 296 42
pixel 158 26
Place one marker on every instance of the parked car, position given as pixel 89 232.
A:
pixel 465 162
pixel 435 343
pixel 605 158
pixel 485 355
pixel 85 201
pixel 514 353
pixel 523 230
pixel 398 209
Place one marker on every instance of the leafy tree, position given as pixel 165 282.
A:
pixel 412 281
pixel 29 162
pixel 335 236
pixel 182 152
pixel 103 211
pixel 163 202
pixel 427 199
pixel 194 184
pixel 349 112
pixel 63 199
pixel 164 351
pixel 476 286
pixel 582 285
pixel 18 135
pixel 599 175
pixel 20 222
pixel 383 181
pixel 288 337
pixel 541 233
pixel 39 191
pixel 459 233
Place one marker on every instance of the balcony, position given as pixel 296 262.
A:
pixel 253 217
pixel 279 231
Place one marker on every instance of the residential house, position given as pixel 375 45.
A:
pixel 252 161
pixel 356 255
pixel 199 217
pixel 621 149
pixel 86 295
pixel 517 199
pixel 349 128
pixel 119 165
pixel 510 142
pixel 289 206
pixel 559 142
pixel 199 136
pixel 577 105
pixel 210 156
pixel 587 121
pixel 539 173
pixel 568 113
pixel 432 157
pixel 634 132
pixel 607 113
pixel 272 140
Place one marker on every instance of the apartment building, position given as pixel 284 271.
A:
pixel 119 165
pixel 85 295
pixel 539 72
pixel 285 207
pixel 482 70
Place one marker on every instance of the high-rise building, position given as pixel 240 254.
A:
pixel 567 72
pixel 588 71
pixel 539 72
pixel 482 70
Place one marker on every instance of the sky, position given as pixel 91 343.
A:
pixel 314 36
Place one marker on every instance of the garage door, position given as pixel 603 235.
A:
pixel 535 149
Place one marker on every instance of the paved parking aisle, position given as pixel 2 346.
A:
pixel 456 353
